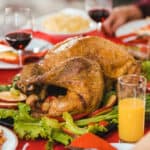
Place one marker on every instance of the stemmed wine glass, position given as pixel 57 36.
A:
pixel 98 10
pixel 18 29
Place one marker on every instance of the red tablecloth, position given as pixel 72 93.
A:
pixel 6 77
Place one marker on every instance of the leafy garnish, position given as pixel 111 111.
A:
pixel 28 127
pixel 71 126
pixel 109 116
pixel 5 87
pixel 146 69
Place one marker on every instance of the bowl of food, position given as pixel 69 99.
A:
pixel 66 23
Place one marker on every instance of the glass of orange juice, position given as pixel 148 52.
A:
pixel 131 95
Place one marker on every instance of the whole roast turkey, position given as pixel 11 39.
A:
pixel 74 72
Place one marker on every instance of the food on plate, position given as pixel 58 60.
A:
pixel 65 78
pixel 74 72
pixel 27 127
pixel 110 99
pixel 91 124
pixel 8 55
pixel 63 132
pixel 2 138
pixel 113 58
pixel 8 105
pixel 145 30
pixel 9 96
pixel 8 139
pixel 137 45
pixel 66 23
pixel 83 91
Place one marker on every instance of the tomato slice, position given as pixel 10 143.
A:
pixel 103 123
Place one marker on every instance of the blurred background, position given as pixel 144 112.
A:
pixel 41 7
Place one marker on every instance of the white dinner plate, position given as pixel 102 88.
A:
pixel 39 43
pixel 132 26
pixel 76 12
pixel 11 139
pixel 35 44
pixel 122 146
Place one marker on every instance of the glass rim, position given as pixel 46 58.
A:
pixel 96 4
pixel 144 80
pixel 12 9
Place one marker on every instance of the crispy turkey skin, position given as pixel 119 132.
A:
pixel 80 65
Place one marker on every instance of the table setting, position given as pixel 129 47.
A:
pixel 68 85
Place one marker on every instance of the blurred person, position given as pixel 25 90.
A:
pixel 122 14
pixel 143 144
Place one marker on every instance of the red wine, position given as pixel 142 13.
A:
pixel 18 40
pixel 98 15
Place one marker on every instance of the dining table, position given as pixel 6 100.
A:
pixel 6 76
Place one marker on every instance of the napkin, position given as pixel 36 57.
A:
pixel 90 140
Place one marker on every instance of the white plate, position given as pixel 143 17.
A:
pixel 39 43
pixel 72 11
pixel 122 146
pixel 35 44
pixel 132 26
pixel 11 139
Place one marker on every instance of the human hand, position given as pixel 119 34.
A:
pixel 119 16
pixel 143 144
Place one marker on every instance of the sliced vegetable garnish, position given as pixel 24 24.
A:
pixel 12 96
pixel 70 125
pixel 109 116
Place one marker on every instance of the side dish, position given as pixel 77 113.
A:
pixel 2 138
pixel 66 23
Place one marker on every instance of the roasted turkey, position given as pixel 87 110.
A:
pixel 80 67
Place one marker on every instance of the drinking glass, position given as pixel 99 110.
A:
pixel 18 29
pixel 98 10
pixel 131 95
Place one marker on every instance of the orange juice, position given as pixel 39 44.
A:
pixel 131 119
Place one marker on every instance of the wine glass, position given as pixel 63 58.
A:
pixel 18 29
pixel 98 10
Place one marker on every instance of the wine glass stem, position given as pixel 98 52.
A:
pixel 20 58
pixel 99 24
